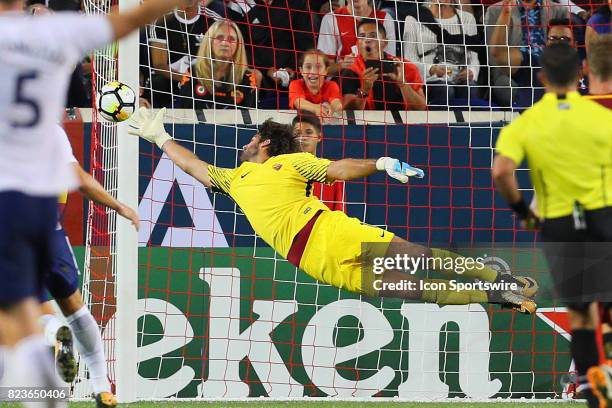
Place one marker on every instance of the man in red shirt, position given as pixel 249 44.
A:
pixel 307 130
pixel 338 32
pixel 377 80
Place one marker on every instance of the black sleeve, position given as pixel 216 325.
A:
pixel 303 25
pixel 158 31
pixel 348 81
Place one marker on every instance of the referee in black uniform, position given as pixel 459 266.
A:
pixel 567 142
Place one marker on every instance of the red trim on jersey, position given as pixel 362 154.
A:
pixel 347 27
pixel 301 239
pixel 605 100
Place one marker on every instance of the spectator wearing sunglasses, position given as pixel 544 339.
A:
pixel 516 32
pixel 560 31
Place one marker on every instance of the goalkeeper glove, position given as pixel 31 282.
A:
pixel 398 170
pixel 149 128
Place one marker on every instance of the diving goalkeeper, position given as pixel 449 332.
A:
pixel 271 187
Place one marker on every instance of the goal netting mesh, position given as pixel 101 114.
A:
pixel 221 315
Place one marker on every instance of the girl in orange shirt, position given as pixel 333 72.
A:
pixel 313 93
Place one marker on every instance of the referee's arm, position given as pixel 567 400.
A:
pixel 505 180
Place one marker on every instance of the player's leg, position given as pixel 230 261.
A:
pixel 26 227
pixel 433 290
pixel 527 286
pixel 61 282
pixel 342 252
pixel 599 226
pixel 88 340
pixel 443 294
pixel 28 362
pixel 599 223
pixel 63 286
pixel 565 248
pixel 59 336
pixel 606 329
pixel 600 377
pixel 427 290
pixel 583 348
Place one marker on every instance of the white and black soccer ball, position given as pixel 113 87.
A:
pixel 116 101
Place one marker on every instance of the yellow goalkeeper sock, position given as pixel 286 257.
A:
pixel 471 271
pixel 451 297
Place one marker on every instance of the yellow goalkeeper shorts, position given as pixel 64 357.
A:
pixel 333 253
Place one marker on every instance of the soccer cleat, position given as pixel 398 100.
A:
pixel 529 286
pixel 601 384
pixel 65 362
pixel 106 400
pixel 512 300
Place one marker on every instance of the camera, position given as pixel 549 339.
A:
pixel 384 67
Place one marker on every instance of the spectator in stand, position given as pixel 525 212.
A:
pixel 573 7
pixel 516 32
pixel 451 71
pixel 377 80
pixel 222 78
pixel 174 41
pixel 560 31
pixel 313 93
pixel 338 32
pixel 275 31
pixel 59 5
pixel 599 23
pixel 308 132
pixel 325 6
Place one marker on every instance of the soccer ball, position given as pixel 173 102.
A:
pixel 116 101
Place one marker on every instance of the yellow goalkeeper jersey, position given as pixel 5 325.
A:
pixel 275 196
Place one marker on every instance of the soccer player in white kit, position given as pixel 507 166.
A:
pixel 37 56
pixel 62 284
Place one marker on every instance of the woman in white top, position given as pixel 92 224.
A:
pixel 450 71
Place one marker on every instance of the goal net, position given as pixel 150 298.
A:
pixel 220 315
pixel 100 268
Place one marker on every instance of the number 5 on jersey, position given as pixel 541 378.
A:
pixel 26 101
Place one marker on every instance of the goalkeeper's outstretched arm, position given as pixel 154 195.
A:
pixel 187 161
pixel 152 129
pixel 349 169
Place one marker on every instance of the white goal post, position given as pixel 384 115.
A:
pixel 127 237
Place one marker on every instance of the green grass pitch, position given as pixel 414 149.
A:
pixel 329 404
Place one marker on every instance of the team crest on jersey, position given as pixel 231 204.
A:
pixel 277 166
pixel 238 96
pixel 200 90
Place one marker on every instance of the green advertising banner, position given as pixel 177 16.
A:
pixel 240 322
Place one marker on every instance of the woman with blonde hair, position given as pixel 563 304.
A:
pixel 222 77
